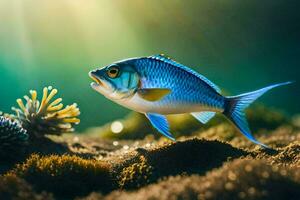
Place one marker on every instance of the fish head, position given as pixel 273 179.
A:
pixel 115 81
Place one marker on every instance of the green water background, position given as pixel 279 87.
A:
pixel 240 45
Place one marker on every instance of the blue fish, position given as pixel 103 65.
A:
pixel 159 86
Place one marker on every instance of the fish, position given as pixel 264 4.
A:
pixel 158 86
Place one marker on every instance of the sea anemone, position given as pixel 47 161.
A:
pixel 12 135
pixel 48 117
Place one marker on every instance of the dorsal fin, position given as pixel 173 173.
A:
pixel 167 59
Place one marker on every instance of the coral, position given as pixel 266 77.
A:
pixel 65 176
pixel 12 187
pixel 47 117
pixel 12 137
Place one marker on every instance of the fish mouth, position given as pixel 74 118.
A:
pixel 95 78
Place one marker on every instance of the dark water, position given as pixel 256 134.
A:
pixel 240 45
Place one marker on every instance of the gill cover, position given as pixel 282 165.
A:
pixel 123 78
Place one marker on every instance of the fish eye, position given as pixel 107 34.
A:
pixel 113 72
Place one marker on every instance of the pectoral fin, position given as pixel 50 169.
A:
pixel 153 94
pixel 160 123
pixel 203 117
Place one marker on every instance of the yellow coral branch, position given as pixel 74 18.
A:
pixel 33 94
pixel 65 110
pixel 46 117
pixel 55 102
pixel 44 98
pixel 55 108
pixel 21 104
pixel 51 95
pixel 71 120
pixel 65 126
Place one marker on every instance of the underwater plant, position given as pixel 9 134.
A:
pixel 46 117
pixel 12 135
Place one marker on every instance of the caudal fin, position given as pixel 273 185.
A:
pixel 235 106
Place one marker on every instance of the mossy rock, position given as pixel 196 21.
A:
pixel 41 146
pixel 240 179
pixel 194 155
pixel 12 187
pixel 252 179
pixel 65 176
pixel 289 155
pixel 190 156
pixel 136 175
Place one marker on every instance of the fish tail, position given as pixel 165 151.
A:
pixel 235 106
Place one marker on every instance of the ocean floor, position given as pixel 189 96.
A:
pixel 211 161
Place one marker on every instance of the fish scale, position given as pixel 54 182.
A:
pixel 186 88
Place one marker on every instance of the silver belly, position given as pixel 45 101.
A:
pixel 143 106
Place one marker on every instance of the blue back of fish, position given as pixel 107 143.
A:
pixel 188 89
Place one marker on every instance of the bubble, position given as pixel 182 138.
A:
pixel 75 139
pixel 116 127
pixel 115 143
